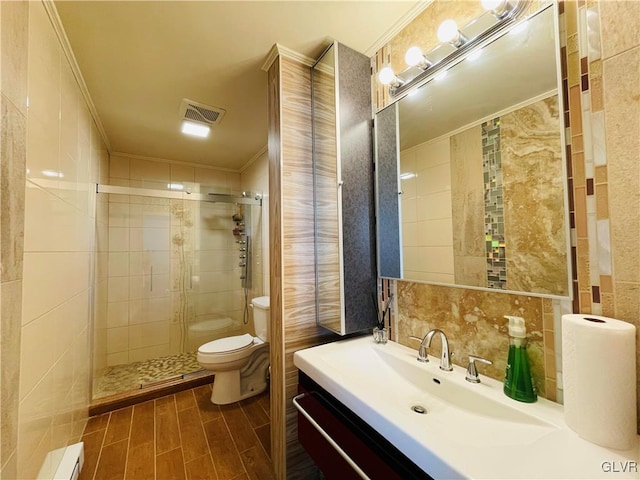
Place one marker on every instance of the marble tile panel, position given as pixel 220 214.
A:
pixel 602 201
pixel 578 168
pixel 10 313
pixel 604 247
pixel 473 321
pixel 619 33
pixel 627 298
pixel 534 206
pixel 606 284
pixel 594 44
pixel 573 65
pixel 12 189
pixel 597 102
pixel 14 52
pixel 601 174
pixel 467 194
pixel 575 111
pixel 622 119
pixel 571 17
pixel 598 138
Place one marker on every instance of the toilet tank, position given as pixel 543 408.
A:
pixel 261 317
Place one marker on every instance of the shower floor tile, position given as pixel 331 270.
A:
pixel 137 375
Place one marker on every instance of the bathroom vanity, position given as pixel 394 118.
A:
pixel 422 422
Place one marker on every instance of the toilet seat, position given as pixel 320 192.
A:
pixel 233 344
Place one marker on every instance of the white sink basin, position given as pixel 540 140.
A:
pixel 468 430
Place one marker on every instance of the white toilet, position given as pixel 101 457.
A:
pixel 239 362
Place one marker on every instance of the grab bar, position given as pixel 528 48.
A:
pixel 326 436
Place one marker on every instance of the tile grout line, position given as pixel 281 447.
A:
pixel 235 444
pixel 155 448
pixel 184 463
pixel 126 458
pixel 206 438
pixel 95 471
pixel 253 429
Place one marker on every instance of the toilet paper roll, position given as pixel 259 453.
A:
pixel 599 379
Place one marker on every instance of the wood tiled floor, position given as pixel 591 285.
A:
pixel 180 436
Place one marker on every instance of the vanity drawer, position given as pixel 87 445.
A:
pixel 325 426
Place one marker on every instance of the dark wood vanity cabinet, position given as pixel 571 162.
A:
pixel 375 456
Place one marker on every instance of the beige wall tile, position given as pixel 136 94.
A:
pixel 182 173
pixel 36 410
pixel 37 351
pixel 44 67
pixel 149 171
pixel 42 152
pixel 12 177
pixel 622 108
pixel 211 178
pixel 52 224
pixel 619 32
pixel 117 339
pixel 119 167
pixel 50 279
pixel 10 314
pixel 14 52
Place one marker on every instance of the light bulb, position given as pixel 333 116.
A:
pixel 448 31
pixel 386 76
pixel 413 56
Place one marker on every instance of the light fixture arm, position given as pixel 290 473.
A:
pixel 464 41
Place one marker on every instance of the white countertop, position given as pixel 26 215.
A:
pixel 470 430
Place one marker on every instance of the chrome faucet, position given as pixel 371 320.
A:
pixel 445 360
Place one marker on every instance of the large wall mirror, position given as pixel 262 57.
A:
pixel 471 184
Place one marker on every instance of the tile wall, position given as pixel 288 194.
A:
pixel 427 228
pixel 172 263
pixel 600 53
pixel 14 44
pixel 255 178
pixel 49 240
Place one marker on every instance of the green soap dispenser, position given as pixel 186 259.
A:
pixel 518 381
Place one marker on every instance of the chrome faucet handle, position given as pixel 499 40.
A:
pixel 472 371
pixel 422 350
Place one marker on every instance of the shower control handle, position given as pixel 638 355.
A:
pixel 243 249
pixel 242 264
pixel 243 256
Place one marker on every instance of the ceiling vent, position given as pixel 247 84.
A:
pixel 198 112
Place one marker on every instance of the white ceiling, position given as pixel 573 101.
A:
pixel 140 59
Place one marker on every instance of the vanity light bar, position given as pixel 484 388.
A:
pixel 498 15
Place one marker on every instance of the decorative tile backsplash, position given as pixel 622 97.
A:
pixel 493 205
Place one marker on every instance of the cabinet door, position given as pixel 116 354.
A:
pixel 343 187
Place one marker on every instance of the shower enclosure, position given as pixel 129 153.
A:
pixel 181 267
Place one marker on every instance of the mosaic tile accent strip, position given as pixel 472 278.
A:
pixel 133 376
pixel 493 205
pixel 581 59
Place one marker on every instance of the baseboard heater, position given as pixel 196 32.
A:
pixel 71 463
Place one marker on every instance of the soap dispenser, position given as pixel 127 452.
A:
pixel 518 381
